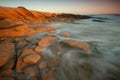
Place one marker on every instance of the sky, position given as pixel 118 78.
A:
pixel 68 6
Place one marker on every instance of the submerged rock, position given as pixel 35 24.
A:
pixel 30 72
pixel 77 44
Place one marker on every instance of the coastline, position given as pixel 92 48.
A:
pixel 23 46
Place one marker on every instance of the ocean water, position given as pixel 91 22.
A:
pixel 103 34
pixel 103 63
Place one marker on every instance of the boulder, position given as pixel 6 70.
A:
pixel 77 44
pixel 32 58
pixel 7 52
pixel 20 63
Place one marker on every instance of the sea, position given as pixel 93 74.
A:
pixel 103 63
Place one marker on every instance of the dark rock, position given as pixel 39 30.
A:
pixel 97 20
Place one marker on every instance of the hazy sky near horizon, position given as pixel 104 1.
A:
pixel 68 6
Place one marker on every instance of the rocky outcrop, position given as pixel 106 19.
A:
pixel 22 30
pixel 9 17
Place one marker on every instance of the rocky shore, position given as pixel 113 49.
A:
pixel 35 57
pixel 30 49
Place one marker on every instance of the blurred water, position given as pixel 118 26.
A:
pixel 103 63
pixel 105 34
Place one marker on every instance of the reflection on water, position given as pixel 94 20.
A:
pixel 102 64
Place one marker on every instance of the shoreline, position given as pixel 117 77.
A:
pixel 23 46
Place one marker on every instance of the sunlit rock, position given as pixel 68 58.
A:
pixel 20 63
pixel 32 58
